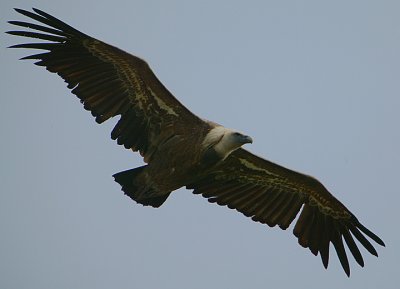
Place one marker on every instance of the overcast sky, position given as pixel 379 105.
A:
pixel 316 85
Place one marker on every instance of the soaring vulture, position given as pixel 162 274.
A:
pixel 181 149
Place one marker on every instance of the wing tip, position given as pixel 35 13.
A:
pixel 37 10
pixel 22 11
pixel 15 46
pixel 368 232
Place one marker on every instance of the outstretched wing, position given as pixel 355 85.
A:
pixel 108 81
pixel 273 195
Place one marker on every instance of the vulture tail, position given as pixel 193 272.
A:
pixel 136 188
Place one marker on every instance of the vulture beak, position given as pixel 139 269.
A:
pixel 247 139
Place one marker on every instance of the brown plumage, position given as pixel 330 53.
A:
pixel 181 149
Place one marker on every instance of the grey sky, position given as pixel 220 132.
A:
pixel 316 85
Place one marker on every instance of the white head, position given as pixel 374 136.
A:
pixel 224 140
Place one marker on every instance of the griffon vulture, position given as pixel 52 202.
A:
pixel 183 150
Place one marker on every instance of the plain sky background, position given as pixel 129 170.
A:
pixel 315 83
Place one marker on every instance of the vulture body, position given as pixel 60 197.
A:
pixel 183 150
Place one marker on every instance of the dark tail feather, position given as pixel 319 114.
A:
pixel 138 191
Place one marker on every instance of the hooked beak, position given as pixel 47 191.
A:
pixel 247 139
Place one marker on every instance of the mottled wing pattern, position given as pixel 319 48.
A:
pixel 108 81
pixel 273 195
